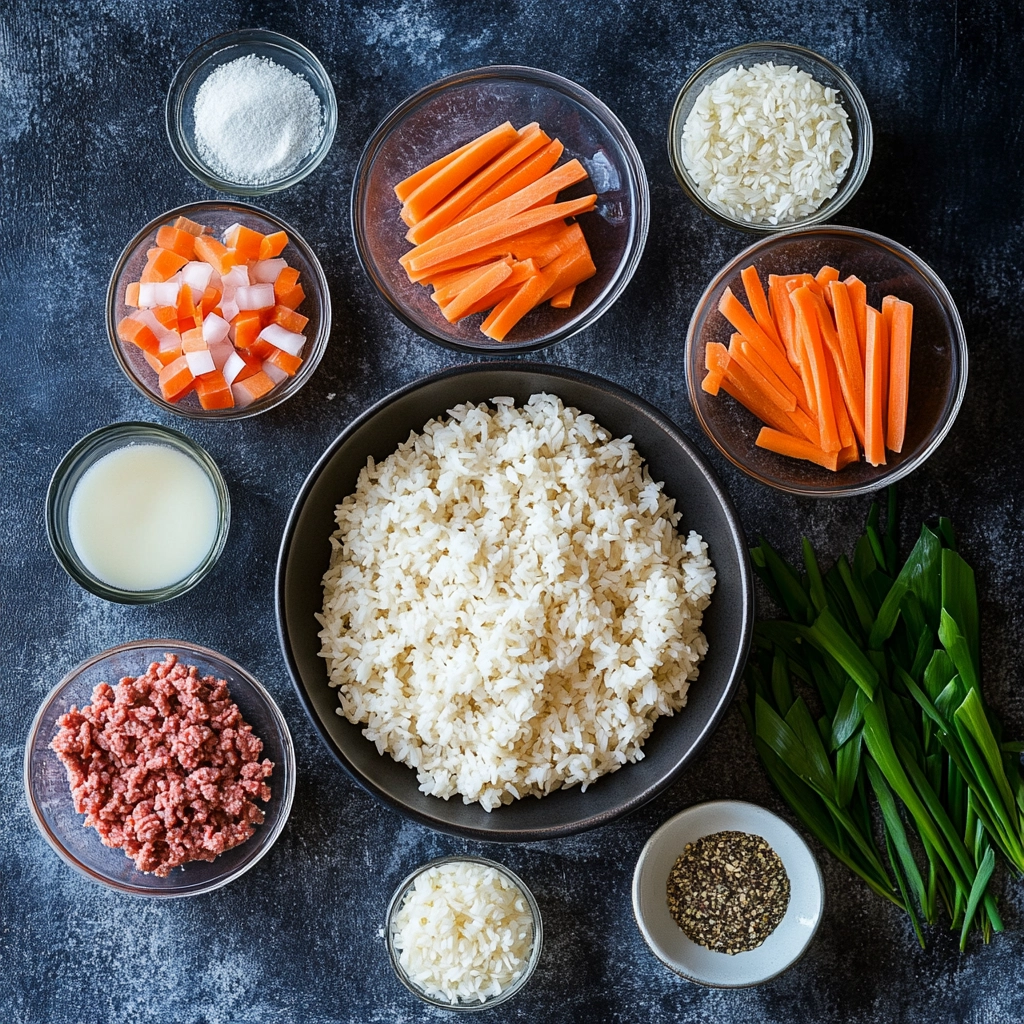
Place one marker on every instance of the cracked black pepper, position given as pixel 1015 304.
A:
pixel 728 891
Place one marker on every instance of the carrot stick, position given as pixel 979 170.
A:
pixel 445 293
pixel 531 138
pixel 852 380
pixel 761 373
pixel 540 244
pixel 843 424
pixel 474 292
pixel 825 275
pixel 530 170
pixel 899 375
pixel 848 455
pixel 874 438
pixel 510 311
pixel 796 448
pixel 407 186
pixel 782 313
pixel 571 268
pixel 858 292
pixel 716 362
pixel 804 371
pixel 436 188
pixel 738 384
pixel 807 325
pixel 521 273
pixel 759 304
pixel 734 311
pixel 563 300
pixel 888 305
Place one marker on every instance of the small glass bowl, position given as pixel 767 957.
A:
pixel 218 216
pixel 938 360
pixel 222 49
pixel 85 454
pixel 531 965
pixel 825 72
pixel 445 115
pixel 49 794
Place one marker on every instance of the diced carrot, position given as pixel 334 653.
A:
pixel 246 242
pixel 758 303
pixel 162 266
pixel 273 245
pixel 407 186
pixel 134 332
pixel 796 448
pixel 716 362
pixel 213 391
pixel 288 319
pixel 899 375
pixel 211 298
pixel 531 169
pixel 256 386
pixel 167 315
pixel 247 327
pixel 186 308
pixel 531 138
pixel 153 361
pixel 184 224
pixel 286 280
pixel 176 380
pixel 874 427
pixel 563 300
pixel 858 292
pixel 209 250
pixel 284 361
pixel 193 340
pixel 772 388
pixel 807 325
pixel 181 242
pixel 474 292
pixel 131 294
pixel 437 187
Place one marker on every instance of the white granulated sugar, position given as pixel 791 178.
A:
pixel 767 144
pixel 464 932
pixel 509 606
pixel 256 121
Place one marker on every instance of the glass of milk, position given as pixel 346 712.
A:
pixel 137 513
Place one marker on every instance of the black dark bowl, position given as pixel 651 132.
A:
pixel 706 508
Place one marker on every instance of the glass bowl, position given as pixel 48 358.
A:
pixel 220 50
pixel 49 795
pixel 670 944
pixel 403 976
pixel 938 362
pixel 454 110
pixel 85 454
pixel 825 72
pixel 219 215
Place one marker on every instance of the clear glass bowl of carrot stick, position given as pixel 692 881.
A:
pixel 215 333
pixel 790 369
pixel 440 168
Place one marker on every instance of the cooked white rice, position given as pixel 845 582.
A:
pixel 509 606
pixel 768 144
pixel 464 932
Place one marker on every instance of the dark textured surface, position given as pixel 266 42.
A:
pixel 84 163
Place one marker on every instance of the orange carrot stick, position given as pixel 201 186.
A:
pixel 746 355
pixel 563 300
pixel 814 350
pixel 738 384
pixel 474 292
pixel 858 292
pixel 511 310
pixel 759 303
pixel 521 273
pixel 445 293
pixel 825 275
pixel 734 311
pixel 899 375
pixel 888 305
pixel 796 448
pixel 843 424
pixel 874 430
pixel 407 186
pixel 782 313
pixel 852 380
pixel 530 170
pixel 716 362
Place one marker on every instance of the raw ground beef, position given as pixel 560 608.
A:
pixel 164 767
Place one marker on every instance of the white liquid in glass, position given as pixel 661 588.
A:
pixel 143 517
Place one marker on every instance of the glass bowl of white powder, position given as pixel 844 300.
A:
pixel 251 112
pixel 768 136
pixel 463 933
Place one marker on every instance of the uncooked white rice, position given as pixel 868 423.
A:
pixel 463 932
pixel 768 144
pixel 509 606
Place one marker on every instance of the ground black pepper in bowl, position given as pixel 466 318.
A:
pixel 728 891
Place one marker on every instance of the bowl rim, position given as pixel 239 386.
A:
pixel 317 346
pixel 201 55
pixel 959 343
pixel 858 112
pixel 744 807
pixel 745 586
pixel 289 773
pixel 640 222
pixel 128 430
pixel 536 949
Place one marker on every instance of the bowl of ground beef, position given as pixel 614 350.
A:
pixel 160 768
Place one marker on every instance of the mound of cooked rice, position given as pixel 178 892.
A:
pixel 509 606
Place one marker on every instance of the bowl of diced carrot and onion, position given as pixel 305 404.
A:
pixel 826 361
pixel 501 209
pixel 218 310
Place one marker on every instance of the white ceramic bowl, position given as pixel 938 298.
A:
pixel 667 940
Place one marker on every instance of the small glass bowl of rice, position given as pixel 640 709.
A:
pixel 768 136
pixel 463 933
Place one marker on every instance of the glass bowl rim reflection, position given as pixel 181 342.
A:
pixel 89 450
pixel 288 770
pixel 536 947
pixel 634 168
pixel 855 106
pixel 203 56
pixel 958 345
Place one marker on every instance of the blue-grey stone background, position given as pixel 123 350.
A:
pixel 84 162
